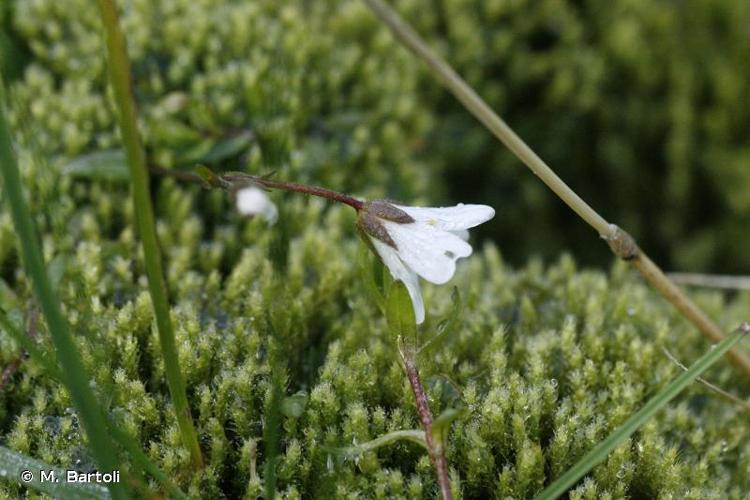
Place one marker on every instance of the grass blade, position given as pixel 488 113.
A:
pixel 74 375
pixel 123 439
pixel 600 452
pixel 119 73
pixel 13 465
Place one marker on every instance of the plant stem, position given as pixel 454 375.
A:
pixel 609 232
pixel 297 188
pixel 74 374
pixel 437 453
pixel 233 178
pixel 119 72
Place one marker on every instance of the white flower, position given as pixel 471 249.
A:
pixel 254 201
pixel 417 241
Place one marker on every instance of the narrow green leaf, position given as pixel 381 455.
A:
pixel 107 165
pixel 600 451
pixel 121 436
pixel 229 147
pixel 371 275
pixel 415 436
pixel 118 66
pixel 441 424
pixel 208 176
pixel 399 313
pixel 74 374
pixel 27 471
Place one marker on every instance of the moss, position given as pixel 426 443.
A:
pixel 546 359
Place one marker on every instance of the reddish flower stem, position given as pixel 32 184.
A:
pixel 298 188
pixel 353 202
pixel 437 453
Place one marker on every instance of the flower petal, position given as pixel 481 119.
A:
pixel 451 218
pixel 253 201
pixel 429 252
pixel 399 271
pixel 462 233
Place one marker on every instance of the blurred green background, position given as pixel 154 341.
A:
pixel 641 106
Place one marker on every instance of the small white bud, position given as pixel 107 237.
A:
pixel 254 201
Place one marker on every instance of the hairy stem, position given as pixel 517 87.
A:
pixel 609 232
pixel 437 452
pixel 297 188
pixel 265 182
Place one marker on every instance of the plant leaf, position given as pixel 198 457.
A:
pixel 107 165
pixel 415 436
pixel 656 403
pixel 399 313
pixel 213 150
pixel 441 424
pixel 229 147
pixel 369 268
pixel 13 464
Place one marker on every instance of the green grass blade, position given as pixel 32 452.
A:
pixel 123 439
pixel 13 465
pixel 600 452
pixel 74 375
pixel 119 73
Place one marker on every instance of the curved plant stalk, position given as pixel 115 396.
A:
pixel 413 435
pixel 74 374
pixel 402 324
pixel 656 403
pixel 621 243
pixel 119 73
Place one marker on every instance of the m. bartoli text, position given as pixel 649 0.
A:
pixel 92 477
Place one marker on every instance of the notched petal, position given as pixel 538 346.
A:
pixel 453 218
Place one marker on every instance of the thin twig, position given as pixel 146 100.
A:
pixel 718 390
pixel 621 243
pixel 436 452
pixel 711 280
